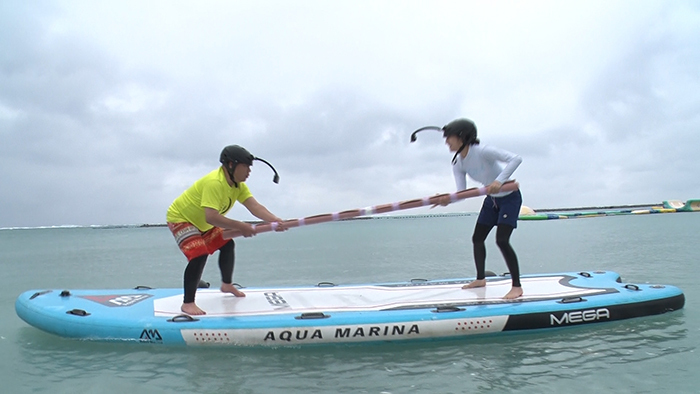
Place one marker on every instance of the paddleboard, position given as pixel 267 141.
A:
pixel 333 314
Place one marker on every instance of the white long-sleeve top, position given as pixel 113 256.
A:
pixel 485 164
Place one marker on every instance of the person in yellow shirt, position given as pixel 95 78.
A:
pixel 196 219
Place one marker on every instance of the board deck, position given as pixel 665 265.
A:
pixel 369 297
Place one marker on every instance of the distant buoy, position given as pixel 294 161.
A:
pixel 526 211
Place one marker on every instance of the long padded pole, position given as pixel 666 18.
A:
pixel 397 206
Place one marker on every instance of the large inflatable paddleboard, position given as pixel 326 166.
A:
pixel 326 313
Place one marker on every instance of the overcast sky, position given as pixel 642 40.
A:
pixel 110 109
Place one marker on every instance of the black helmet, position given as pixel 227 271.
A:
pixel 465 129
pixel 236 154
pixel 239 155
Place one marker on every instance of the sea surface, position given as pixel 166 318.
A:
pixel 657 354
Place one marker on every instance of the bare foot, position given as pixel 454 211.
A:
pixel 192 309
pixel 475 283
pixel 514 292
pixel 230 288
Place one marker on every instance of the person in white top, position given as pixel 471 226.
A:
pixel 492 167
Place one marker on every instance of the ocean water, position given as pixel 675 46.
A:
pixel 645 355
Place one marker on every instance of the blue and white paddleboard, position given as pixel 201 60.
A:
pixel 326 313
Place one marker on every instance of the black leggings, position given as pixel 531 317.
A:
pixel 503 232
pixel 195 268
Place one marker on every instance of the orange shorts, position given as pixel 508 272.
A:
pixel 194 243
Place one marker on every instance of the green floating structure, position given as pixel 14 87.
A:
pixel 680 206
pixel 669 206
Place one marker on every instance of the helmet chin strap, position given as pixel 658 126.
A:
pixel 454 158
pixel 230 172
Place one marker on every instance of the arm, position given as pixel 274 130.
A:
pixel 512 162
pixel 260 212
pixel 511 159
pixel 460 178
pixel 216 219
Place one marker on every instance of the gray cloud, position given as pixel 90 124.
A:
pixel 107 114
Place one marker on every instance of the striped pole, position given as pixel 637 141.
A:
pixel 396 206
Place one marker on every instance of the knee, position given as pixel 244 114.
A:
pixel 199 260
pixel 196 264
pixel 228 246
pixel 503 242
pixel 478 239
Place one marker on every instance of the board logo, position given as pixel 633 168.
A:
pixel 150 336
pixel 299 335
pixel 118 300
pixel 586 316
pixel 276 300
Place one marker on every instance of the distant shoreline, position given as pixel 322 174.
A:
pixel 373 217
pixel 597 208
